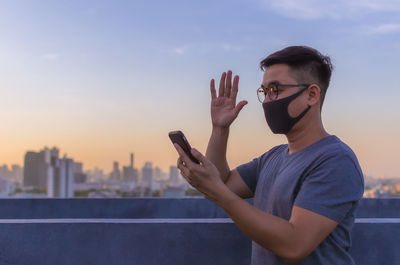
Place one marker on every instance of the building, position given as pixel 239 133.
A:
pixel 79 176
pixel 116 173
pixel 147 174
pixel 95 175
pixel 61 180
pixel 7 187
pixel 17 173
pixel 173 175
pixel 45 169
pixel 37 168
pixel 129 173
pixel 4 172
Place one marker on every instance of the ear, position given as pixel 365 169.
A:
pixel 313 94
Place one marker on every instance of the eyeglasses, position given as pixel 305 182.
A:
pixel 273 90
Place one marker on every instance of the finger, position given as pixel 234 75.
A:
pixel 203 160
pixel 221 85
pixel 183 156
pixel 212 89
pixel 180 161
pixel 184 170
pixel 240 106
pixel 235 88
pixel 228 84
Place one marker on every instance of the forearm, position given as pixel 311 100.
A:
pixel 216 150
pixel 273 233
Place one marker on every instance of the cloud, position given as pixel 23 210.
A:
pixel 51 56
pixel 180 50
pixel 229 47
pixel 320 9
pixel 384 29
pixel 204 48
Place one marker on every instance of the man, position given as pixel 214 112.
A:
pixel 305 192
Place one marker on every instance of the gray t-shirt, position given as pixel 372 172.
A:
pixel 325 178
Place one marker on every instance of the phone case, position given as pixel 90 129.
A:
pixel 179 138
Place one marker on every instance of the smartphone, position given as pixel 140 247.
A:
pixel 177 137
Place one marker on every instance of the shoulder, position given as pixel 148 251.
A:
pixel 336 160
pixel 336 151
pixel 274 152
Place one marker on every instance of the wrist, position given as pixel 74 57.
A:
pixel 219 130
pixel 226 198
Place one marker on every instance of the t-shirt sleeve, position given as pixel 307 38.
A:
pixel 249 173
pixel 332 188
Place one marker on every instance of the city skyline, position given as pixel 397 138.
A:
pixel 101 79
pixel 121 164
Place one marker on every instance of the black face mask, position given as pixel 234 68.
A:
pixel 277 115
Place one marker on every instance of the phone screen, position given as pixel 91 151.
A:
pixel 179 138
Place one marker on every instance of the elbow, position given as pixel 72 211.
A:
pixel 293 256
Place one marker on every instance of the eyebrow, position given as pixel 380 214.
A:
pixel 272 82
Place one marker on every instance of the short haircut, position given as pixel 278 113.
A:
pixel 307 66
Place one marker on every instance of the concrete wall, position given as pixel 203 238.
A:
pixel 159 231
pixel 151 208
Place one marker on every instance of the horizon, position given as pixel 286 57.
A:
pixel 101 80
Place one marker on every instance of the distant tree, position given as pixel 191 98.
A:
pixel 193 192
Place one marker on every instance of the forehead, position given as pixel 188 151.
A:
pixel 278 73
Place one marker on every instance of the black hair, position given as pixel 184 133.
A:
pixel 306 64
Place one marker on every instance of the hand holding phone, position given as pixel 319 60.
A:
pixel 177 137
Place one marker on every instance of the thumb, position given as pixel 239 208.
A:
pixel 240 106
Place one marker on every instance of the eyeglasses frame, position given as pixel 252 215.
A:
pixel 267 93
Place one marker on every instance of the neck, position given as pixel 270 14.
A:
pixel 305 136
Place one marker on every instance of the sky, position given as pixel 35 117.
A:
pixel 101 79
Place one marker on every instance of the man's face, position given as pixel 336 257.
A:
pixel 280 73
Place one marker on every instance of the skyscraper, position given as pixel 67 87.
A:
pixel 173 175
pixel 79 176
pixel 130 173
pixel 17 173
pixel 116 174
pixel 147 174
pixel 36 168
pixel 60 183
pixel 4 172
pixel 45 169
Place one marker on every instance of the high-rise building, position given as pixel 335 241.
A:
pixel 79 176
pixel 36 168
pixel 130 173
pixel 45 169
pixel 4 172
pixel 115 174
pixel 17 173
pixel 61 181
pixel 147 174
pixel 7 187
pixel 173 175
pixel 78 167
pixel 158 174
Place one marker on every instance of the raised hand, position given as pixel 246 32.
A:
pixel 223 107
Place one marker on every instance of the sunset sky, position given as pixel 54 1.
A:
pixel 101 79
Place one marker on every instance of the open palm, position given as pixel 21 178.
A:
pixel 223 107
